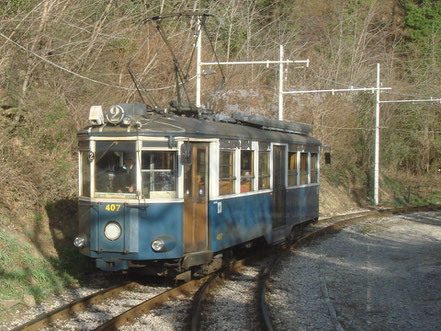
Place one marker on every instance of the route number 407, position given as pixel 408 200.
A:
pixel 112 207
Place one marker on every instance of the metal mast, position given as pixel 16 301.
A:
pixel 377 140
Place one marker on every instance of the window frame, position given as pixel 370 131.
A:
pixel 84 151
pixel 293 173
pixel 115 195
pixel 260 176
pixel 232 171
pixel 314 168
pixel 165 194
pixel 308 166
pixel 304 173
pixel 247 178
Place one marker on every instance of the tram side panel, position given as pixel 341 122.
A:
pixel 239 220
pixel 302 204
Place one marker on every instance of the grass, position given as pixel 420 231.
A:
pixel 424 196
pixel 403 193
pixel 38 219
pixel 24 272
pixel 367 228
pixel 72 265
pixel 396 190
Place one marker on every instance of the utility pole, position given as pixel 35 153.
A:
pixel 377 90
pixel 377 140
pixel 281 84
pixel 377 132
pixel 198 63
pixel 280 62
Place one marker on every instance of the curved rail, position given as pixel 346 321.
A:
pixel 128 316
pixel 81 304
pixel 339 222
pixel 211 280
pixel 198 300
pixel 147 305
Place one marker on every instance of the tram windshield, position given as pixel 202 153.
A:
pixel 115 169
pixel 159 172
pixel 115 172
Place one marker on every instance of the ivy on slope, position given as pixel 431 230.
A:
pixel 423 28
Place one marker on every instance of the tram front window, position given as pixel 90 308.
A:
pixel 159 171
pixel 115 169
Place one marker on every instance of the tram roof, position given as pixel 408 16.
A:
pixel 214 127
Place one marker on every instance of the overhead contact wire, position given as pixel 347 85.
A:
pixel 77 74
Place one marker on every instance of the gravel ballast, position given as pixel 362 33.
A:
pixel 379 274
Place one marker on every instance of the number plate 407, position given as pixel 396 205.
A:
pixel 112 207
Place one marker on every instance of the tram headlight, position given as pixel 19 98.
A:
pixel 158 244
pixel 80 241
pixel 127 121
pixel 163 244
pixel 112 230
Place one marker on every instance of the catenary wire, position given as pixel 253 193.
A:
pixel 79 75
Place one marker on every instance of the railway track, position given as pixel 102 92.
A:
pixel 229 302
pixel 80 313
pixel 111 308
pixel 91 311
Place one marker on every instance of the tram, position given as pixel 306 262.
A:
pixel 171 192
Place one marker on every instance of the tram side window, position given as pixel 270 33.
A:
pixel 292 169
pixel 226 172
pixel 314 170
pixel 246 171
pixel 303 168
pixel 264 170
pixel 159 171
pixel 85 174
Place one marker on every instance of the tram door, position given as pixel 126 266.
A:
pixel 279 189
pixel 196 199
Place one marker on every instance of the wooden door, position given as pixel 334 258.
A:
pixel 279 188
pixel 196 200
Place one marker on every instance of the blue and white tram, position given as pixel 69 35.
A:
pixel 169 193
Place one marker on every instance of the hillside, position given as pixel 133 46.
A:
pixel 57 58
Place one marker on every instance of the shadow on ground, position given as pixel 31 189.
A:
pixel 63 224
